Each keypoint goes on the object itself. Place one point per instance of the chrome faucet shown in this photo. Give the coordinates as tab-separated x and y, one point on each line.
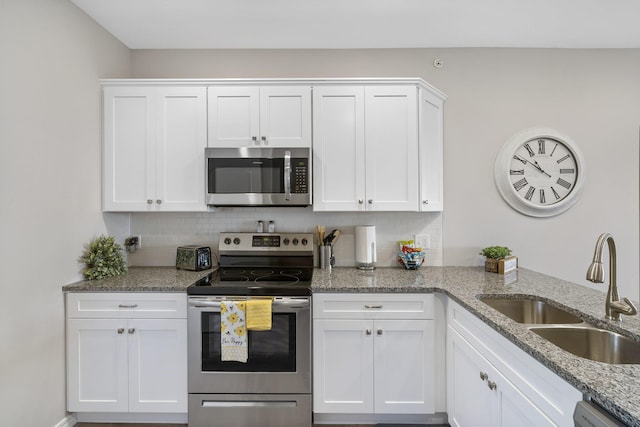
613	306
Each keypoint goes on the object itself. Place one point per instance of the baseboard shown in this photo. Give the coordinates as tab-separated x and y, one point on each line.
132	417
68	421
420	419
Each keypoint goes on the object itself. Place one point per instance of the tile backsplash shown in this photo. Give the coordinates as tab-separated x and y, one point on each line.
162	232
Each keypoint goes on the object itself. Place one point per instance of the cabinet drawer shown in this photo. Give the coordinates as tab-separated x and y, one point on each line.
373	306
83	305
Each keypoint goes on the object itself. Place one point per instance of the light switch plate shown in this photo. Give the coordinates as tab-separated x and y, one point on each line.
422	241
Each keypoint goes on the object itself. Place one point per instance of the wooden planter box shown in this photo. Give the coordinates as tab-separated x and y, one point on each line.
501	266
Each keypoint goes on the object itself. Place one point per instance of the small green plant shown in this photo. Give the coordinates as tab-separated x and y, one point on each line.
496	252
103	258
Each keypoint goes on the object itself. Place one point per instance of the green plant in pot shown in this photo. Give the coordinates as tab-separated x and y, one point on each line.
103	258
499	259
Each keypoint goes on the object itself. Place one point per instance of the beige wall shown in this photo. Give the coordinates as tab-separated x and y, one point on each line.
591	95
52	56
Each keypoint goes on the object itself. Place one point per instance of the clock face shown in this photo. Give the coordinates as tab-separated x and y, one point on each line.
543	171
539	172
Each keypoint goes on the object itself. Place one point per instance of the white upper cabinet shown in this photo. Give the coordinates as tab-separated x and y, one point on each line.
377	148
265	116
154	140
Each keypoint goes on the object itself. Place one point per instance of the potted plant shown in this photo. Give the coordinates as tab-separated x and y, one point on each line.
499	259
103	258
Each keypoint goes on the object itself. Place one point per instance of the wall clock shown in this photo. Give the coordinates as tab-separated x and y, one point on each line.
539	172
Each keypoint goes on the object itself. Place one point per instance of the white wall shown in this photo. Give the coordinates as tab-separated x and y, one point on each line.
593	96
52	56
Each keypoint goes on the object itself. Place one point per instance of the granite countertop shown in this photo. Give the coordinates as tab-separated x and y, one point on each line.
615	387
142	279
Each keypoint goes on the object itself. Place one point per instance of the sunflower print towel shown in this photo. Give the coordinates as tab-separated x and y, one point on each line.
233	331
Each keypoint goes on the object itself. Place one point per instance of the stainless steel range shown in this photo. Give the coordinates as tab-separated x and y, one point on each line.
273	386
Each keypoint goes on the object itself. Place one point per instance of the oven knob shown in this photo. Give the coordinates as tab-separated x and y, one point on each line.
304	242
286	241
227	240
236	241
295	240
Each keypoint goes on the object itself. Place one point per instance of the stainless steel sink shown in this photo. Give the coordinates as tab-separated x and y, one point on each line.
531	311
592	343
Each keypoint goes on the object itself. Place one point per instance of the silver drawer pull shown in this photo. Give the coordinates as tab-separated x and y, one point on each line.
373	306
368	331
483	376
491	385
128	306
120	330
379	331
132	330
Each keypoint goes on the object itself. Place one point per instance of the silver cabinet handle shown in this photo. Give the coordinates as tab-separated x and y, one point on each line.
370	201
360	201
127	305
149	201
158	201
491	385
120	330
287	174
368	331
373	306
483	376
425	202
131	330
379	331
264	140
255	139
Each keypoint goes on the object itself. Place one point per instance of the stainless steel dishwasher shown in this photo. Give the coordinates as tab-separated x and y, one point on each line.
588	414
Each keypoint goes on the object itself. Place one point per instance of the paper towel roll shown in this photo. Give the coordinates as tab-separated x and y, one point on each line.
365	244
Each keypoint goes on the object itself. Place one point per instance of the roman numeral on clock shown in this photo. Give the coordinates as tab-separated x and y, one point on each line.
564	183
531	153
555	193
516	172
530	193
520	159
567	170
542	198
519	185
562	159
541	146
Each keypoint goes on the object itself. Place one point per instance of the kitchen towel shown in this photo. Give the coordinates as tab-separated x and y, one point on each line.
233	331
259	314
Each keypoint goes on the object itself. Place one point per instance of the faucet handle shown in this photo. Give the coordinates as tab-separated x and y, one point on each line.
626	307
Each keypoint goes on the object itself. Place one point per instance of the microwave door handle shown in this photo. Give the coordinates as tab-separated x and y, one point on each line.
287	175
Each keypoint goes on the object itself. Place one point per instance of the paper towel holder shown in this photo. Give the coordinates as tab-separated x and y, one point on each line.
365	245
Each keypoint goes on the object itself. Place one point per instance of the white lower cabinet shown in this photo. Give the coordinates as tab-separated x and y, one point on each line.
126	360
373	354
492	383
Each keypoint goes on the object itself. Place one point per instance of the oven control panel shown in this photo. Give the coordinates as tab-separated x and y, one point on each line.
266	242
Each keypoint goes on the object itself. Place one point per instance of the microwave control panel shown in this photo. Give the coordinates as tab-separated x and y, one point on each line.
299	182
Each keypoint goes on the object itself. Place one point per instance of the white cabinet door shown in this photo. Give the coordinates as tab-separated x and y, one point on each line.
391	138
157	365
285	116
431	152
404	366
338	148
154	140
97	377
129	146
478	395
234	116
181	138
270	116
365	148
343	366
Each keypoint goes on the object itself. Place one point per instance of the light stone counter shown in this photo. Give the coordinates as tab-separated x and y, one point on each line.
616	387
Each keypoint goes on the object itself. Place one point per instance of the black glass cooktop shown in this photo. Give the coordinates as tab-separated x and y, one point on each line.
285	282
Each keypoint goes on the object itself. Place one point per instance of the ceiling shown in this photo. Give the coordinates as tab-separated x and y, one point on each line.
336	24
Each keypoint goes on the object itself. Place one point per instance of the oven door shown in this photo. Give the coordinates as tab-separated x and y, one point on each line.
258	176
279	360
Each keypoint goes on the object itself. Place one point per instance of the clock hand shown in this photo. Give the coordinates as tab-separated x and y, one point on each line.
537	166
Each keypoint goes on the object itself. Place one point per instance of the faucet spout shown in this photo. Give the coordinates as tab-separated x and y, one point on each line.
613	306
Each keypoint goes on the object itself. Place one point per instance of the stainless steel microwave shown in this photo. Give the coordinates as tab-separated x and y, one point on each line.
258	176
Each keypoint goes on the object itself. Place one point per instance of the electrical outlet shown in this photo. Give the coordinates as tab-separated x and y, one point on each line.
422	241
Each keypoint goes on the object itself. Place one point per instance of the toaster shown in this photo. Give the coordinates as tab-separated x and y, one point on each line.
193	257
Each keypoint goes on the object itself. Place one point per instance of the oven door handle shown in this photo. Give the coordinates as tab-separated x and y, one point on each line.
288	303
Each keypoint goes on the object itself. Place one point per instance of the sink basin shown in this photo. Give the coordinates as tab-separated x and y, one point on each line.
592	343
531	311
